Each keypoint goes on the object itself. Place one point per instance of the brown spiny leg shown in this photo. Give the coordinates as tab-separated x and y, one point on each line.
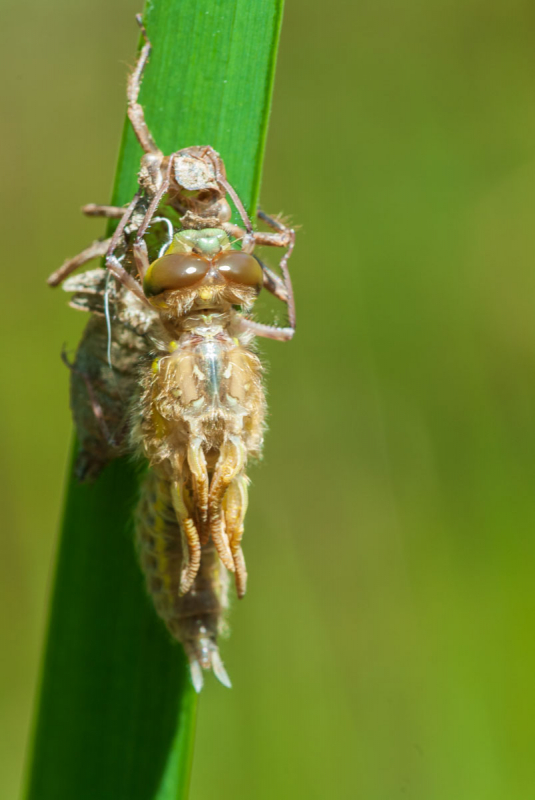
119	230
287	239
97	249
284	237
136	115
156	200
273	331
230	463
274	223
140	257
247	236
192	542
97	210
127	280
281	238
272	282
267	331
234	507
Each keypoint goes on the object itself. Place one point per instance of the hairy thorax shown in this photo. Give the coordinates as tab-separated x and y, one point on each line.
205	383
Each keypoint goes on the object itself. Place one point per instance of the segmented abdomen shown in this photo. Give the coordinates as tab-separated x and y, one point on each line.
195	619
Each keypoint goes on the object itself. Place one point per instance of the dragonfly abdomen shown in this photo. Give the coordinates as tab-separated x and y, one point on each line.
196	618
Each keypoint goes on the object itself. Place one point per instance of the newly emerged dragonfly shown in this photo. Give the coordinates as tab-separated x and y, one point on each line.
167	370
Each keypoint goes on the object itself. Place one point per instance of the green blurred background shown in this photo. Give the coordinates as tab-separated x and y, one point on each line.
385	648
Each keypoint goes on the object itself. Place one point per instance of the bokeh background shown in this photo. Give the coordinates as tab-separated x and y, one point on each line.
386	645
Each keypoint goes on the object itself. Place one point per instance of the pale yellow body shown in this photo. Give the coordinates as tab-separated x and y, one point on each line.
200	418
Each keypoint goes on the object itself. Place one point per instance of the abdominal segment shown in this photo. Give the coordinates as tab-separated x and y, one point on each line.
201	418
197	618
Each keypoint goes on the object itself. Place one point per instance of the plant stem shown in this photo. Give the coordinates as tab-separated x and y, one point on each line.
116	713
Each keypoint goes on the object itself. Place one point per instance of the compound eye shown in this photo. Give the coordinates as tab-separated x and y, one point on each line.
174	271
238	267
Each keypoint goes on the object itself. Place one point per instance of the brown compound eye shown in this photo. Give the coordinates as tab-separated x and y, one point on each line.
238	267
174	271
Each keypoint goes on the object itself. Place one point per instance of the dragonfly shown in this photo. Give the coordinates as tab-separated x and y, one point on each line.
167	370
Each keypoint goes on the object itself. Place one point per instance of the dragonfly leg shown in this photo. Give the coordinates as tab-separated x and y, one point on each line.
156	199
280	288
124	277
272	282
97	210
289	236
97	249
136	115
246	236
272	331
273	222
267	331
118	233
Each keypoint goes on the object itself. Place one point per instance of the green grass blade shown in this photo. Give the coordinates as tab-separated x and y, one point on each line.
116	714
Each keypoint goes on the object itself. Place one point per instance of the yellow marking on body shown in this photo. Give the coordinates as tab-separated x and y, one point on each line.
160	528
172	346
156	365
206	292
160	425
157	302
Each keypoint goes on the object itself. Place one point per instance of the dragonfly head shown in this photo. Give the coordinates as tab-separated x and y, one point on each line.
203	267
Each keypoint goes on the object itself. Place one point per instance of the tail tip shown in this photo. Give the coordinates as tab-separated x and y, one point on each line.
219	669
214	662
